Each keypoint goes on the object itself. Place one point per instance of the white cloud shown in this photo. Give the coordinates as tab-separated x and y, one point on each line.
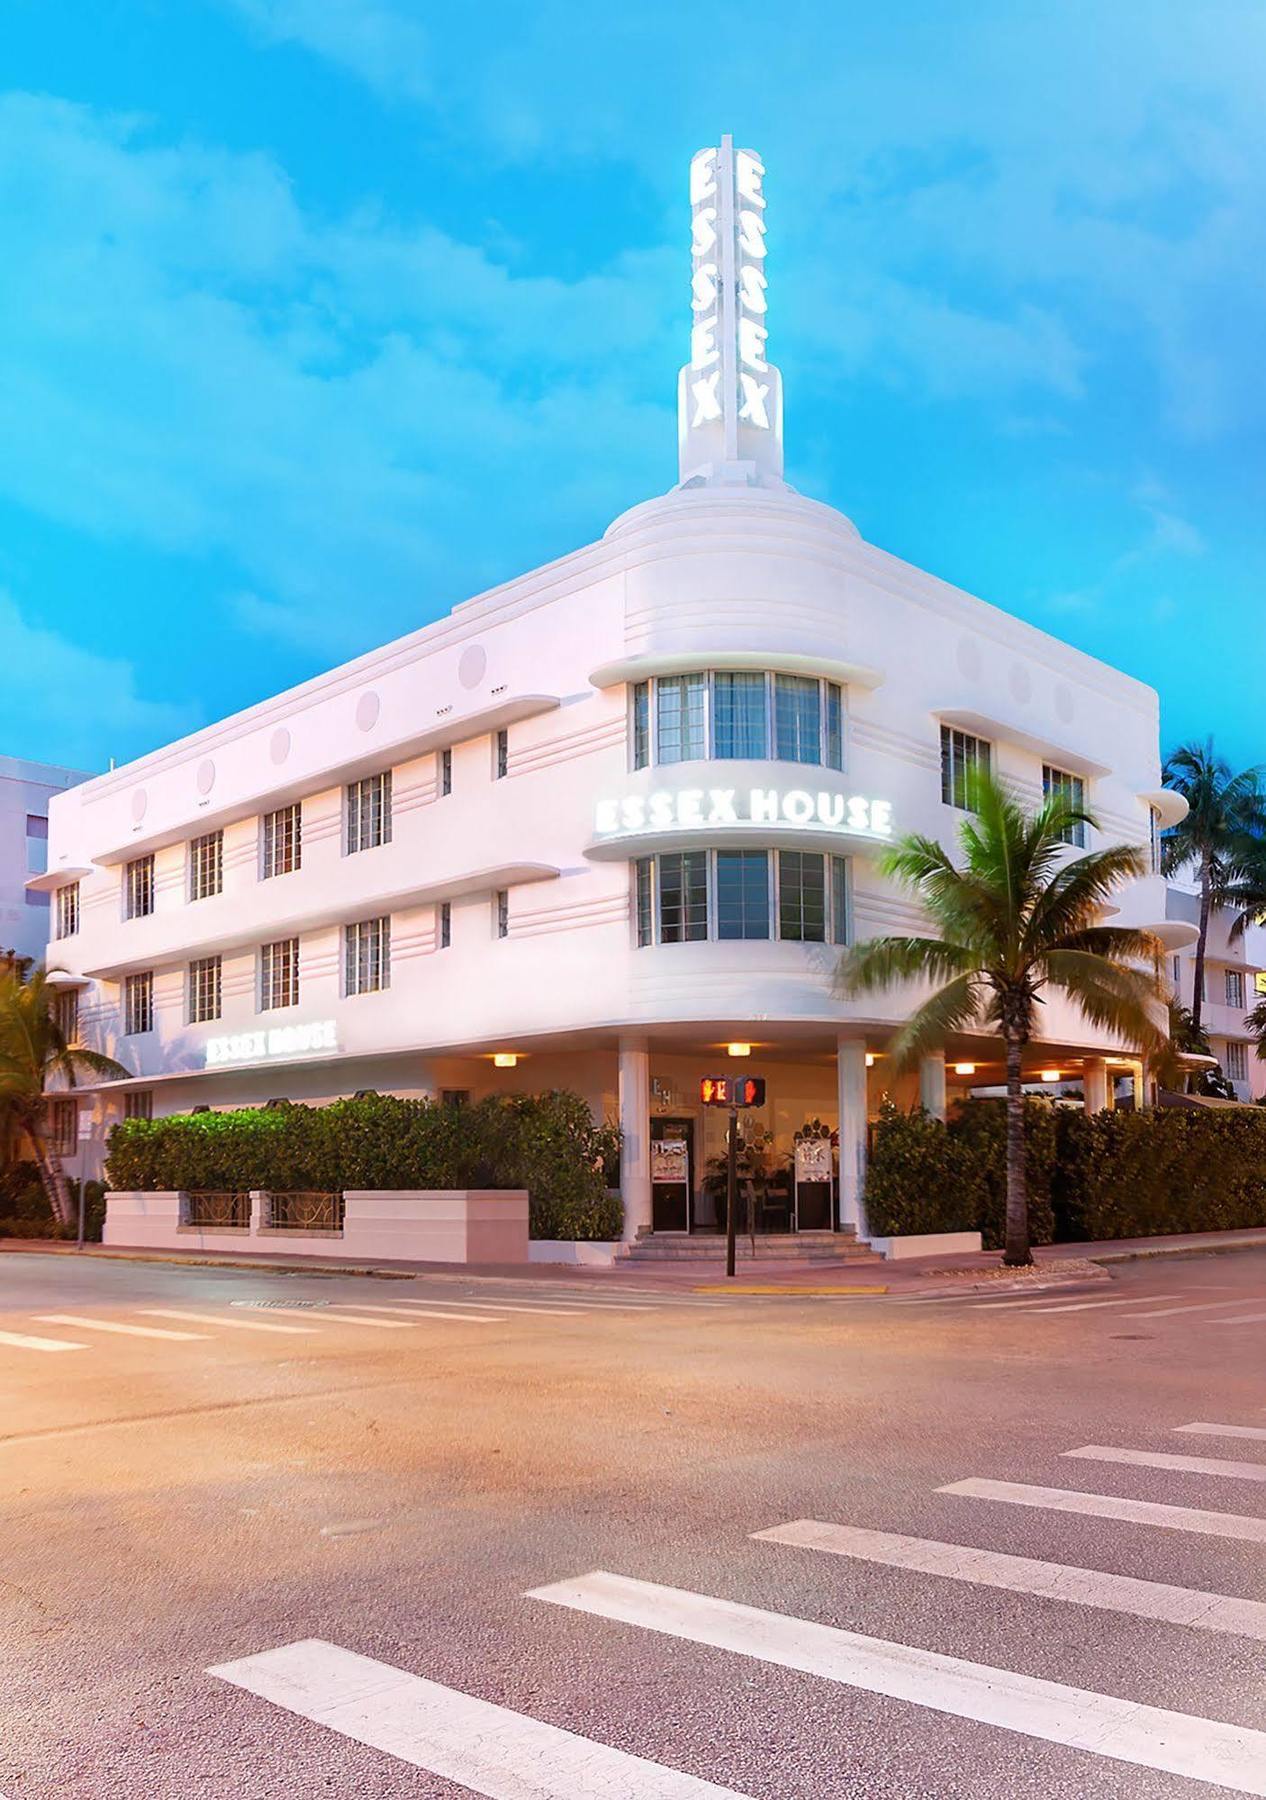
379	43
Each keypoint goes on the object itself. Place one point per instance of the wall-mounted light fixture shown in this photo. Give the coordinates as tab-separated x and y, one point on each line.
1049	1075
870	1059
738	1049
505	1059
964	1068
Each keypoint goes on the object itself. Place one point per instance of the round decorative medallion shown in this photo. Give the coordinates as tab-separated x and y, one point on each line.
1020	683
206	776
970	661
367	710
472	665
140	800
279	745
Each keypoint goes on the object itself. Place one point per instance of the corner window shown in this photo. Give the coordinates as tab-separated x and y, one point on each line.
138	897
1154	838
444	924
367	956
742	878
802	896
66	1014
369	812
502	765
644	900
204	989
446	772
797	719
206	865
960	755
138	1003
680	718
735	715
501	912
279	974
138	1103
741	728
1059	784
728	895
283	842
1235	988
641	724
68	909
63	1127
683	896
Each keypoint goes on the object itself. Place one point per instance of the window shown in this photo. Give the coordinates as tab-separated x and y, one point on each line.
138	1103
446	772
1235	988
1177	973
502	912
644	873
680	718
367	956
641	724
1059	784
279	974
206	865
1153	827
369	812
802	896
138	1003
138	892
840	920
834	725
66	1014
502	765
36	844
68	909
1236	1060
742	893
204	989
797	719
959	754
457	1097
444	924
33	899
283	841
739	714
683	896
63	1127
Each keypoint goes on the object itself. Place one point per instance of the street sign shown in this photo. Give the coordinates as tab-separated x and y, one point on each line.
732	1090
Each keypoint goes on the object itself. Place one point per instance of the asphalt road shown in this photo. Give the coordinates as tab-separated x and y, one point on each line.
467	1547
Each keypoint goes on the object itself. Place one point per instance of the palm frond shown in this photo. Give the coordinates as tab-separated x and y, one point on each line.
952	1008
882	962
1128	1002
1079	891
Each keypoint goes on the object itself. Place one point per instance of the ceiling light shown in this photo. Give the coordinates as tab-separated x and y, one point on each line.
870	1059
505	1059
1049	1075
964	1068
738	1049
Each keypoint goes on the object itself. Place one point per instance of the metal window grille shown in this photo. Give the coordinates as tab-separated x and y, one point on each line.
305	1211
683	896
445	926
138	1103
140	887
644	900
279	974
66	1014
367	956
63	1126
206	865
283	841
1236	1061
960	753
503	754
222	1211
641	725
204	989
802	896
1059	784
740	724
138	1003
742	888
797	719
680	718
446	771
369	812
841	923
1235	987
68	909
503	912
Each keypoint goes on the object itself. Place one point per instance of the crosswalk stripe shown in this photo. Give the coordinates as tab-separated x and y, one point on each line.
1065	1306
487	1749
201	1318
1114	1506
1167	1312
112	1325
425	1308
1163	1459
1241	1319
20	1341
338	1318
1025	1575
1201	1429
1013	1304
1146	1736
417	1318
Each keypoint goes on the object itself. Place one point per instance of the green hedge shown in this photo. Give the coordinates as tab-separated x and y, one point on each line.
1091	1176
546	1143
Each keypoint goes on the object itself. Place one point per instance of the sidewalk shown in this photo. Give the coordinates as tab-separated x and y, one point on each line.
920	1275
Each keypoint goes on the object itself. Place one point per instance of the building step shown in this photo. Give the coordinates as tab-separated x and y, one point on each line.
832	1247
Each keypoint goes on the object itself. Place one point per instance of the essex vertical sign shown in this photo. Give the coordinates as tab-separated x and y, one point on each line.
729	394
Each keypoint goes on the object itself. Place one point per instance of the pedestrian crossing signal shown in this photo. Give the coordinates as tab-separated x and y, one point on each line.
732	1090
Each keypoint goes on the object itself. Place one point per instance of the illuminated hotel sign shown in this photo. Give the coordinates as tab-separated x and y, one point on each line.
277	1041
702	809
729	397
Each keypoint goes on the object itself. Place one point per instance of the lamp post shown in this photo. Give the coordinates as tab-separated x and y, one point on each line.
731	1193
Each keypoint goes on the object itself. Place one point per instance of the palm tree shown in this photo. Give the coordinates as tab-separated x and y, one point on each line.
1220	838
1020	916
33	1049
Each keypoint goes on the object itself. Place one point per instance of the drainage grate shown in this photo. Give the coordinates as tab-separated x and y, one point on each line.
262	1305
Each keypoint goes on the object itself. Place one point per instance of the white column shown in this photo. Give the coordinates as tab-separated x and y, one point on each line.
635	1127
850	1062
932	1095
1140	1086
1094	1083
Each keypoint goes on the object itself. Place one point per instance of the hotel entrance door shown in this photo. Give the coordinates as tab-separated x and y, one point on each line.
672	1173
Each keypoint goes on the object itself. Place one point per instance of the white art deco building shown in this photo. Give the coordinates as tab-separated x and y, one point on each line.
599	824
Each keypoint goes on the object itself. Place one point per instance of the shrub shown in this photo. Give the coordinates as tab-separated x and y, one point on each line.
24	1210
927	1176
545	1142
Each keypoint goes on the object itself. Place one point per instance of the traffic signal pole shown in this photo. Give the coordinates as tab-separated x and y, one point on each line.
731	1193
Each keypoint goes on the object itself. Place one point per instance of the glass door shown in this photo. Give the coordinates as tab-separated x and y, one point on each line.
672	1173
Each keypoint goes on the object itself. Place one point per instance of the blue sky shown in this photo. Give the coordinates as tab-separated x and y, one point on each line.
318	316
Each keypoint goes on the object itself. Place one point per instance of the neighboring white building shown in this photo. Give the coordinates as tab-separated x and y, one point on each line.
1234	982
25	790
600	824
